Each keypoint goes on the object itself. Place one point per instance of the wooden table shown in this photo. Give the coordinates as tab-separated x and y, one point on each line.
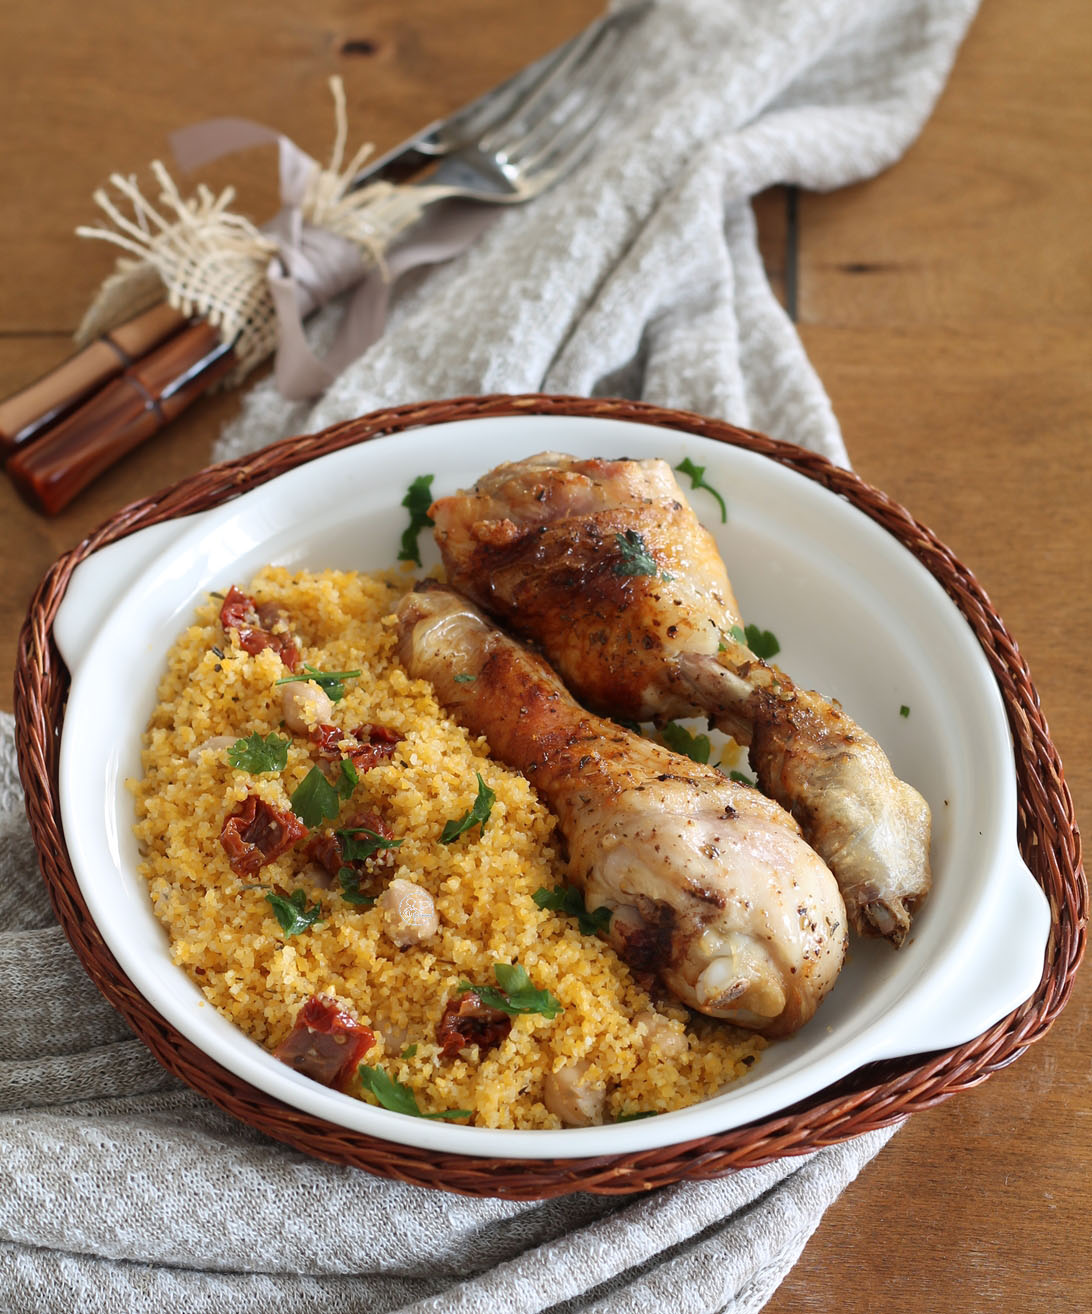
946	307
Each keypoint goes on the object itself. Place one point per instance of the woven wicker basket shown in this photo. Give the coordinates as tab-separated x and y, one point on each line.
870	1098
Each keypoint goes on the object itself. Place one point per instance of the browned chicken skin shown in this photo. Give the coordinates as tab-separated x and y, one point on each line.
537	545
710	884
604	566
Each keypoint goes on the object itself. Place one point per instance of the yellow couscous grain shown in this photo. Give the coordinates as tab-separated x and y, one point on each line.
224	933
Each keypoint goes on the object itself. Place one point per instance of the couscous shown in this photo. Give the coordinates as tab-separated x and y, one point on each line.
361	889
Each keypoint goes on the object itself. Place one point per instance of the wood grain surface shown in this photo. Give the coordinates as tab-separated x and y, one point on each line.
946	306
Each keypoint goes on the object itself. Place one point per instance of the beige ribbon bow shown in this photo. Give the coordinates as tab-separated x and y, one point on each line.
257	286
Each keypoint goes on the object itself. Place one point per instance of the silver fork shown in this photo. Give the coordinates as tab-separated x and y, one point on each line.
536	84
547	131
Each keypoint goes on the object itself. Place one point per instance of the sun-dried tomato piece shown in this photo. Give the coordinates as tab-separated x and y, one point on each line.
365	747
467	1021
322	847
377	743
254	626
326	1043
369	821
257	833
326	849
326	739
269	614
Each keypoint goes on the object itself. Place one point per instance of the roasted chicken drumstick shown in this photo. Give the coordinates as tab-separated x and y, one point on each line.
710	884
604	566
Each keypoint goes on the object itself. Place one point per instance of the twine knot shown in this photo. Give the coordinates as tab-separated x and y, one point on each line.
256	285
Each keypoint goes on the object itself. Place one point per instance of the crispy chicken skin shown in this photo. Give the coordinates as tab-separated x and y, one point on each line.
536	545
871	828
641	628
710	883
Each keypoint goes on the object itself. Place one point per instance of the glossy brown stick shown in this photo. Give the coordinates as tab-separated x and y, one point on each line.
50	472
27	414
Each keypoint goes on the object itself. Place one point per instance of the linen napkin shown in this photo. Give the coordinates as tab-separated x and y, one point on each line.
639	276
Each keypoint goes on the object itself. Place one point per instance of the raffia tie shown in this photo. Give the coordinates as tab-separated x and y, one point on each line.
254	285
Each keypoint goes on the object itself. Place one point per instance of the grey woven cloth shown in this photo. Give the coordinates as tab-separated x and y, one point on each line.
640	277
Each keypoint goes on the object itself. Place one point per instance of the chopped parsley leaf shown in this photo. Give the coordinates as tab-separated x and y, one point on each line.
465	679
360	850
348	778
314	799
393	1095
408	1052
696	747
904	710
635	556
256	755
636	1117
349	879
741	779
478	814
568	899
417	501
697	480
293	912
332	683
763	643
516	993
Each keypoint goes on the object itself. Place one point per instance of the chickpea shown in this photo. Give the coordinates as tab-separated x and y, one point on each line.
216	744
409	913
660	1036
303	705
568	1096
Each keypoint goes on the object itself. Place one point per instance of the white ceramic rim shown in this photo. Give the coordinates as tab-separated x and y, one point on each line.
978	947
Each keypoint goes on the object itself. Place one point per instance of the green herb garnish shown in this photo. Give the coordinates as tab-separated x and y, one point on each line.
762	643
332	683
354	849
636	1117
516	993
256	755
465	679
408	1052
696	747
636	558
393	1095
697	480
904	710
349	879
741	779
568	899
293	912
417	502
360	850
314	799
477	816
348	778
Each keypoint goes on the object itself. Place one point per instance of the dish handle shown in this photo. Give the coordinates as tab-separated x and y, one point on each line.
99	583
1000	968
